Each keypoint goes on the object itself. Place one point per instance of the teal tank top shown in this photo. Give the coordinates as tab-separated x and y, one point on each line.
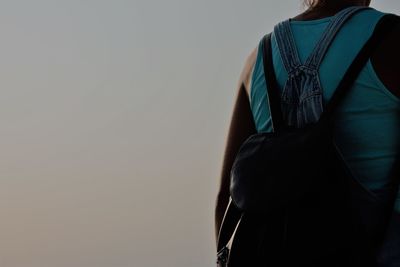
367	122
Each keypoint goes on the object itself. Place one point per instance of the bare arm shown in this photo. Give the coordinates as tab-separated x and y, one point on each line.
386	61
386	64
241	127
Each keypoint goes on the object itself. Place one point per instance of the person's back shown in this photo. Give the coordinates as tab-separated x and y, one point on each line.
367	122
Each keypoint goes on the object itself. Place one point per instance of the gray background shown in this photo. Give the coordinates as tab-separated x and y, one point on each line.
113	121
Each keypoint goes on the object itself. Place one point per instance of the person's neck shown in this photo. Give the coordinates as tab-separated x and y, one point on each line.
327	10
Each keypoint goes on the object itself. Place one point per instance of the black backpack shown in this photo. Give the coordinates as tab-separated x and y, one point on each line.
293	200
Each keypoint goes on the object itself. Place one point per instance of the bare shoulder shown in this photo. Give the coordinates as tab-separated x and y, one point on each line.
245	76
386	61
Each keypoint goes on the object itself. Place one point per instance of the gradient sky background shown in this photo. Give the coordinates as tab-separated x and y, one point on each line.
114	116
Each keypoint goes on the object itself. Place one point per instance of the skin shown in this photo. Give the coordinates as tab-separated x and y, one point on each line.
386	62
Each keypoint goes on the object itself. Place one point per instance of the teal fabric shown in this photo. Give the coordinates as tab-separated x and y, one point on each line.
368	128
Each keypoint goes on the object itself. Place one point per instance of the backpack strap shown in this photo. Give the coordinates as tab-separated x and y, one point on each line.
385	26
287	46
231	219
273	93
301	98
319	51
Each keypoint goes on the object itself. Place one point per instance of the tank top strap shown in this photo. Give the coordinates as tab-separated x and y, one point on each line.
319	51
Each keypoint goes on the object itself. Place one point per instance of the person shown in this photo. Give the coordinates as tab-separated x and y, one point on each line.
367	125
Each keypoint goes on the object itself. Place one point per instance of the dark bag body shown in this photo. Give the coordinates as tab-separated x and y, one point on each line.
296	202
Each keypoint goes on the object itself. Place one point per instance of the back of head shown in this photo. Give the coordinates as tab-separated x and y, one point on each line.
312	3
319	3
